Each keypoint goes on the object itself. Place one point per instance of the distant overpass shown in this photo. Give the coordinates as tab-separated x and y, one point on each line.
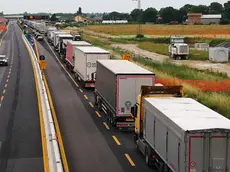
13	16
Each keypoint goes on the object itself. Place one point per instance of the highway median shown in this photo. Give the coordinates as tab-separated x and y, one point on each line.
53	158
59	137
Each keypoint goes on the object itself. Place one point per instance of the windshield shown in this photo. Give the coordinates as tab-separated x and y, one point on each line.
1	58
67	38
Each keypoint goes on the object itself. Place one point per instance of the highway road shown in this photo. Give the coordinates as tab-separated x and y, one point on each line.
20	140
91	144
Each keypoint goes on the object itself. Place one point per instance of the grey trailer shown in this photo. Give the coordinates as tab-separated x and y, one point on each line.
182	135
118	84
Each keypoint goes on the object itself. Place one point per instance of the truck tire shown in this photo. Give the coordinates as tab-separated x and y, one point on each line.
113	121
178	57
148	156
147	160
99	105
164	168
95	99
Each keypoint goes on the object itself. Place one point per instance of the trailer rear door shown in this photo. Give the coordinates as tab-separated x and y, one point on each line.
209	153
218	154
195	153
91	64
128	88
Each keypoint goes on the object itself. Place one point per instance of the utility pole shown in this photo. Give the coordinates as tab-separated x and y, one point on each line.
139	28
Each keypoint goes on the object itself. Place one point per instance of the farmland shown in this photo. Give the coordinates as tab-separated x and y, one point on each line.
218	101
163	30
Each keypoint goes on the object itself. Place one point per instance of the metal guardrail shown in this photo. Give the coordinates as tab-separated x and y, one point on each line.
53	153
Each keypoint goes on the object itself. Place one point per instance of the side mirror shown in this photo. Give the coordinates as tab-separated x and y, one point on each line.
42	57
134	110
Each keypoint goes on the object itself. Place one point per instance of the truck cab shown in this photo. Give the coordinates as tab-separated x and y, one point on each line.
138	112
177	48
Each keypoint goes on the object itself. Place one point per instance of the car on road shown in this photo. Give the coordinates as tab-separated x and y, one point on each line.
39	38
3	60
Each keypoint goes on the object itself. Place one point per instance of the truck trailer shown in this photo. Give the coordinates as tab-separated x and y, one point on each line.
118	83
85	58
177	134
70	49
50	35
53	36
60	39
50	29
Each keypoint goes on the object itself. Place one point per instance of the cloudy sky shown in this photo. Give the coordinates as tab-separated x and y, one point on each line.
13	6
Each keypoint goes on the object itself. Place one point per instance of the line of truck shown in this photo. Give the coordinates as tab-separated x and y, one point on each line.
174	133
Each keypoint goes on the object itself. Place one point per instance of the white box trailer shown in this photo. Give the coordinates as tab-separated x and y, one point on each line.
69	44
59	40
118	83
49	28
53	36
56	38
186	135
85	58
50	36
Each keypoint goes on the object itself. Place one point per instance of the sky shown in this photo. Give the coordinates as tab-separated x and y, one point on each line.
71	6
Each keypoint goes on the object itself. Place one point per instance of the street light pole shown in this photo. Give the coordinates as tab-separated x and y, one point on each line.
139	28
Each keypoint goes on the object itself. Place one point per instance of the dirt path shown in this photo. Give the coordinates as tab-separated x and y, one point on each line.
202	65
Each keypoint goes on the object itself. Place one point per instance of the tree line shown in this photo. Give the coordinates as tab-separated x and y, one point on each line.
170	14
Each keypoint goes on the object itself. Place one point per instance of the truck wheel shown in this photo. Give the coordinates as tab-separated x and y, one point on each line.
99	105
147	159
95	100
164	168
113	121
178	57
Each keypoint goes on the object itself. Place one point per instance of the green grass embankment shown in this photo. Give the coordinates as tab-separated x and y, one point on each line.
214	100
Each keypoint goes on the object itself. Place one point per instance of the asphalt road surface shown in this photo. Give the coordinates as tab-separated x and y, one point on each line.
20	140
91	144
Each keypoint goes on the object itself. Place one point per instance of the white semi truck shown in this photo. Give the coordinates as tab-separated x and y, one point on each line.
70	49
177	134
59	40
85	58
177	49
118	83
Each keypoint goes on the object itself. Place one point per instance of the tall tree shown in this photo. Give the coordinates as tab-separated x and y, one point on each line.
114	15
200	9
79	12
136	14
187	8
227	10
53	17
215	8
149	15
169	14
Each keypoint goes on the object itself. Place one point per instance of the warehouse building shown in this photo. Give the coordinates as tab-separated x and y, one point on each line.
207	19
194	18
